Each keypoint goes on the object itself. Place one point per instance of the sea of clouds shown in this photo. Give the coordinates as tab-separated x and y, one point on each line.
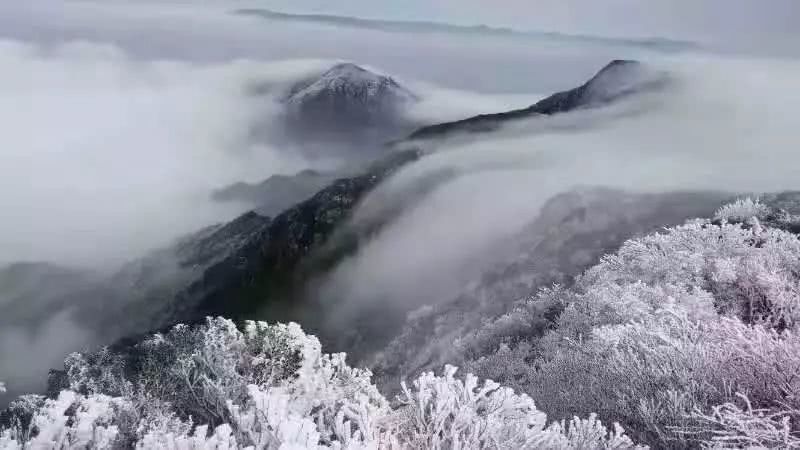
119	119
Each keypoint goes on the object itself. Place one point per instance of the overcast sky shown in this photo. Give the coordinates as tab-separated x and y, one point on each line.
754	26
718	20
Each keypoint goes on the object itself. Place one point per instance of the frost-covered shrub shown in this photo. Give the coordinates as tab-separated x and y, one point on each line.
751	272
609	303
271	387
445	412
759	362
731	426
17	417
212	375
199	439
653	376
451	413
646	336
687	338
647	379
663	331
527	319
742	210
71	421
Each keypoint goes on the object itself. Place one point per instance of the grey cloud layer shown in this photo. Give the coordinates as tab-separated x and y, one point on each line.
752	25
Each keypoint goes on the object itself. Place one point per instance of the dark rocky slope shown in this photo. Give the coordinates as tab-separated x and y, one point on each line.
617	80
239	269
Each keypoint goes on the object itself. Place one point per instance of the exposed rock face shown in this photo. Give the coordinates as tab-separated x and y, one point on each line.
617	80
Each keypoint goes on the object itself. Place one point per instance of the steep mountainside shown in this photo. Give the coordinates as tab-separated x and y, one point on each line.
169	283
247	265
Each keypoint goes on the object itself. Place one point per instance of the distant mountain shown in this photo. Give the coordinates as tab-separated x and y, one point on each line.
255	266
247	265
234	269
254	263
270	278
277	193
660	44
618	79
347	102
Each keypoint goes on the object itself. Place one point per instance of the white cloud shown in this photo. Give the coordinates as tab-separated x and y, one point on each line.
102	157
725	125
111	146
207	32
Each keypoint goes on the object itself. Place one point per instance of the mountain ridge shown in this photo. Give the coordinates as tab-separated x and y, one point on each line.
618	79
345	110
347	97
655	43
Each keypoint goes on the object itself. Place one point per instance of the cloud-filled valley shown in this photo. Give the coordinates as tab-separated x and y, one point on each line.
409	188
96	140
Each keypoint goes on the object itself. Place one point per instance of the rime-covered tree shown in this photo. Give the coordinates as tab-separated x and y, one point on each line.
271	387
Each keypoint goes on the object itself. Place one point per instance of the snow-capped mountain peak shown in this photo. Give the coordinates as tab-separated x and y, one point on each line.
352	83
348	101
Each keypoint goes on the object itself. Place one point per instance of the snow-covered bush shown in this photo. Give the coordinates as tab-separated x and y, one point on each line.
751	272
732	426
660	334
451	413
681	321
71	421
17	417
445	412
654	375
742	210
215	375
271	387
526	320
687	338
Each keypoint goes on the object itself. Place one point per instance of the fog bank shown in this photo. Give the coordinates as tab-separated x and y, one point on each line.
721	125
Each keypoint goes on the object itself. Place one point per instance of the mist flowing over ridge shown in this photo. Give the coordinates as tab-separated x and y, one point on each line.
181	183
